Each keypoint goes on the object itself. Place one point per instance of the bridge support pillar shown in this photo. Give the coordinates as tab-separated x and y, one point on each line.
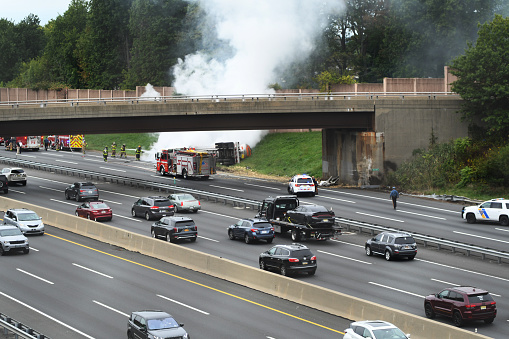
355	157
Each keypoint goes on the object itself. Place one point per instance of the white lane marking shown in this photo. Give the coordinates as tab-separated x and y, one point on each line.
28	156
35	276
111	308
221	215
20	192
112	169
112	202
91	270
34	249
68	162
227	188
422	215
399	202
57	155
208	239
346	243
377	216
93	160
396	289
347	258
51	189
165	177
445	282
47	316
58	182
64	202
128	218
337	199
481	237
462	269
267	187
122	194
182	304
501	229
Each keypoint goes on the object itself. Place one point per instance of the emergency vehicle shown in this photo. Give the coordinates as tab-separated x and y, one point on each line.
66	142
495	210
32	143
186	162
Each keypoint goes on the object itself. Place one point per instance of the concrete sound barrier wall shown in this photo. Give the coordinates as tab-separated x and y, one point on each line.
317	297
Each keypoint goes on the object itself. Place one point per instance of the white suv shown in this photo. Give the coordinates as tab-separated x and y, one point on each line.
496	210
376	329
302	183
15	175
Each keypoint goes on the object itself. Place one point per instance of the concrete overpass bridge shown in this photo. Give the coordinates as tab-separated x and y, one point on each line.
364	135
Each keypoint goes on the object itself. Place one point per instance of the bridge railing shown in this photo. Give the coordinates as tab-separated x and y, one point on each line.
228	98
19	330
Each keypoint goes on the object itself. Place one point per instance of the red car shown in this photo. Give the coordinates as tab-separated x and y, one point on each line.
94	210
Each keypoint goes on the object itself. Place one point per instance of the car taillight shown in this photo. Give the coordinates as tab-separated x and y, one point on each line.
469	307
81	191
171	206
313	257
182	203
254	230
272	228
293	260
297	185
154	208
175	229
199	203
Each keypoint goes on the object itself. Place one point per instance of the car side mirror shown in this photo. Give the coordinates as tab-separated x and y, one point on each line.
181	325
14	218
143	328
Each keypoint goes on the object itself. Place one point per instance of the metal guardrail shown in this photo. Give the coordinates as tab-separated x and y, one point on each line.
18	329
347	224
428	240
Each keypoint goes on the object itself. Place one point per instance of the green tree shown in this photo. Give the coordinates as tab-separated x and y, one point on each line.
483	77
9	54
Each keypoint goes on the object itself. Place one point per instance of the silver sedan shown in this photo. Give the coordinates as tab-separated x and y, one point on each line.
184	202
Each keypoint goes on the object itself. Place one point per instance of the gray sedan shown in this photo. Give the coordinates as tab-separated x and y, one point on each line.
184	202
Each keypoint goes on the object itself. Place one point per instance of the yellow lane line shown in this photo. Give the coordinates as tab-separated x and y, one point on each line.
199	284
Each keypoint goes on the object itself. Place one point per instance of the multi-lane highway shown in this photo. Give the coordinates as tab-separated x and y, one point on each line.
343	266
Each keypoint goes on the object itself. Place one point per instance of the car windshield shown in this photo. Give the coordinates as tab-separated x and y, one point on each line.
304	181
160	203
161	324
99	205
185	197
479	298
10	232
404	240
27	217
262	224
393	333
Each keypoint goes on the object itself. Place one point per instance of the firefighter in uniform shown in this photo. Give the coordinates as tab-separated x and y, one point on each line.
138	153
122	151
114	150
105	154
84	146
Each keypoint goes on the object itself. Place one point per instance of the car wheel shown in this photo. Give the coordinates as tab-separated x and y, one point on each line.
283	270
289	191
77	197
428	310
130	335
147	216
67	196
411	257
312	272
471	218
193	239
230	235
153	234
2	252
184	173
26	250
262	265
388	256
76	214
161	170
167	237
295	235
89	218
457	320
489	320
133	212
269	241
368	251
24	183
6	190
504	220
246	239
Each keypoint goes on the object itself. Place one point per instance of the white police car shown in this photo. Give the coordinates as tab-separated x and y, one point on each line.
496	210
301	183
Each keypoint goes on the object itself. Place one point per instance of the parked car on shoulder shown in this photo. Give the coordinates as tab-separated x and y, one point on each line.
153	207
494	210
184	202
11	239
4	184
375	329
175	228
311	215
288	259
26	220
152	324
15	175
252	230
82	191
462	304
94	210
301	183
392	245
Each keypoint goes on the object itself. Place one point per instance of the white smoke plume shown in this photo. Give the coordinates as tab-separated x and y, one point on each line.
263	35
150	93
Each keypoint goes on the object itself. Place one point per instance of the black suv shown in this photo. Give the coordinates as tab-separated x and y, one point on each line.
152	208
175	228
154	324
4	184
391	245
251	230
288	259
82	191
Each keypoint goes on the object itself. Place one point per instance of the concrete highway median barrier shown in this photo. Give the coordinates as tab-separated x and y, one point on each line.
317	297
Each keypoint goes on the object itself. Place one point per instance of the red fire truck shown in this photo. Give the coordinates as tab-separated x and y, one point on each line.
186	162
66	142
32	143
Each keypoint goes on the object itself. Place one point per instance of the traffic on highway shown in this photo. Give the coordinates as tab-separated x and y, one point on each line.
91	288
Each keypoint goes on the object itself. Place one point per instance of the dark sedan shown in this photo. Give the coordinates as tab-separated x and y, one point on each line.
251	230
175	228
94	210
311	215
82	191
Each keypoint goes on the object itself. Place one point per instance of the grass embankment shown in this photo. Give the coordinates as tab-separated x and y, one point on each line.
131	141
